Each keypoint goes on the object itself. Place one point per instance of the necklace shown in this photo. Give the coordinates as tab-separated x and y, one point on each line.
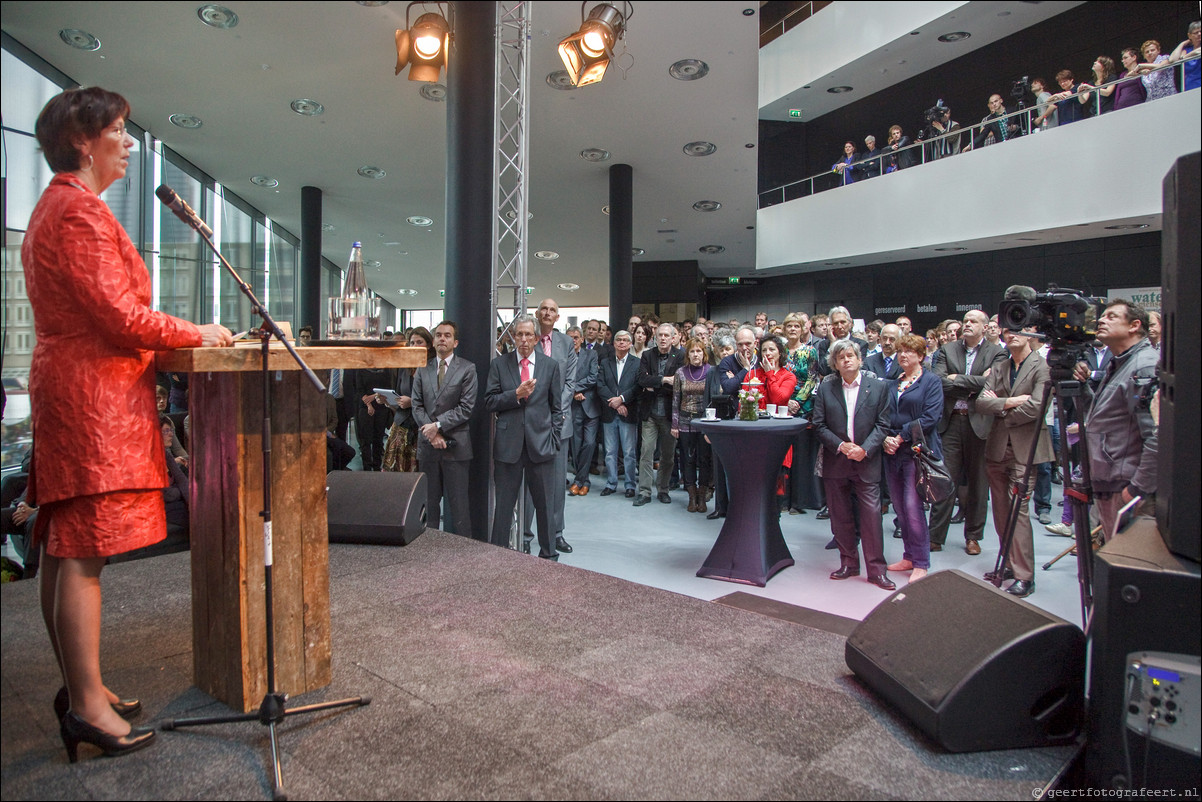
688	373
907	382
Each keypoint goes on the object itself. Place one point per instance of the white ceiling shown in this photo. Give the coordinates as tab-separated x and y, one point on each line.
240	82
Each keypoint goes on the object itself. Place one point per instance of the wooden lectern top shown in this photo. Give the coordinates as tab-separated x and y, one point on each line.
246	358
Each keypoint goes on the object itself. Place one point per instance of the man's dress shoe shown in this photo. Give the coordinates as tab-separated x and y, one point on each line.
845	572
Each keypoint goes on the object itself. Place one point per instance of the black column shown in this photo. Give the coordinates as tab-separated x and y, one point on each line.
309	282
470	98
621	221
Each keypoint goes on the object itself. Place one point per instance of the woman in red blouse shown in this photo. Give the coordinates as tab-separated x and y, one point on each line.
98	470
777	382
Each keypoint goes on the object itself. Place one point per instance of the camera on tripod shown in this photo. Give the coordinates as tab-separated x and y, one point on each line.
1065	317
934	113
1020	88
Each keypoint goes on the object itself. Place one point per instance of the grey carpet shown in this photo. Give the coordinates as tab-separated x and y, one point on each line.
494	675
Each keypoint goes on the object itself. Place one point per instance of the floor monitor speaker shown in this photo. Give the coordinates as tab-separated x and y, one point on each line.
971	666
382	508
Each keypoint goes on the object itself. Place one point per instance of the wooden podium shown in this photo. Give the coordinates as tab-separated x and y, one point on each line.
228	616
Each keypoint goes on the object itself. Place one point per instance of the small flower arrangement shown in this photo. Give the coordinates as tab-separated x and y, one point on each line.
749	401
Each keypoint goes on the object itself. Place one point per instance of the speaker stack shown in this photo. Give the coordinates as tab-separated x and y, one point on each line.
971	666
382	508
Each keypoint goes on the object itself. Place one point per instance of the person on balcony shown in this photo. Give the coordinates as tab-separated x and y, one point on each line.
1130	92
848	167
996	126
1159	83
1103	73
1192	70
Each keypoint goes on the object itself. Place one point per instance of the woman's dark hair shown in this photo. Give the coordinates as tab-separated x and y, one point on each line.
780	348
72	116
424	333
648	331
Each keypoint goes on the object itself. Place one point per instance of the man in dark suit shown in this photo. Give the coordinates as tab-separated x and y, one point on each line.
883	363
965	365
1013	396
525	390
619	394
840	320
657	373
586	412
557	346
444	395
851	418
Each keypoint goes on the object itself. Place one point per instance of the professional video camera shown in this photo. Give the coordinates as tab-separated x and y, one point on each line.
1067	318
934	113
1020	88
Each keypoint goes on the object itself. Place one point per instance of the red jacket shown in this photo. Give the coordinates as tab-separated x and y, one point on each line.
91	382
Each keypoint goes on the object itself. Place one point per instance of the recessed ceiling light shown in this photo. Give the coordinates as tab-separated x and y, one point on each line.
594	155
637	251
368	171
418	220
546	256
749	145
436	93
560	80
1028	239
951	249
80	40
1124	226
689	69
711	250
264	181
327	226
372	263
749	12
307	108
700	148
216	16
915	33
513	215
568	286
186	121
955	36
707	206
839	90
407	292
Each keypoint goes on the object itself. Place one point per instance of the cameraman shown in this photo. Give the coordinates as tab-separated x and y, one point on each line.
939	122
995	124
1119	429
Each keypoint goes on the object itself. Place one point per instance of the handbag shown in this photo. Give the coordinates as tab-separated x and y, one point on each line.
935	484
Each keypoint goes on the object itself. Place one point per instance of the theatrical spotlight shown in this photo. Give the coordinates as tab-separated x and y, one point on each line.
424	46
588	52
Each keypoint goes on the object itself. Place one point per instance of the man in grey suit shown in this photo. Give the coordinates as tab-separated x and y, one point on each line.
525	390
965	365
851	419
1013	396
558	346
444	395
586	411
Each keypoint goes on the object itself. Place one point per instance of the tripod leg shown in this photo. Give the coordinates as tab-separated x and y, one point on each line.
277	789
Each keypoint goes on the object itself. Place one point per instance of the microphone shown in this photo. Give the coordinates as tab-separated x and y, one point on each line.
182	210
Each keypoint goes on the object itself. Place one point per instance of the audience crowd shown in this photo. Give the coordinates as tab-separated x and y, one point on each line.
1031	105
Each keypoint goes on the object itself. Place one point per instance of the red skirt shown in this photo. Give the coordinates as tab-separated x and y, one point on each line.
101	525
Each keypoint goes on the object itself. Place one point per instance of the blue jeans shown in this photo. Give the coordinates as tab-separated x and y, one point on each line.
1043	487
902	474
623	435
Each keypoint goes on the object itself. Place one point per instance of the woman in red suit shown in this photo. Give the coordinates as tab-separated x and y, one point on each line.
98	471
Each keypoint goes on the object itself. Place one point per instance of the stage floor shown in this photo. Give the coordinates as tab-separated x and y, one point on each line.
495	675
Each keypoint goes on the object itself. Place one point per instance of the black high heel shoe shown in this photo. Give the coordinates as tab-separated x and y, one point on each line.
126	708
75	730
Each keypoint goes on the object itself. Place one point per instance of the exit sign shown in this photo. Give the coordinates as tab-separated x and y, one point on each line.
794	112
732	280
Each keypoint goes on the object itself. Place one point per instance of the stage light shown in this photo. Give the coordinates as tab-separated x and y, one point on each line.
588	52
423	47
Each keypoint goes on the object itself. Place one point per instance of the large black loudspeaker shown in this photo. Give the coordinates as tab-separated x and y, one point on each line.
971	666
1145	600
378	508
1180	440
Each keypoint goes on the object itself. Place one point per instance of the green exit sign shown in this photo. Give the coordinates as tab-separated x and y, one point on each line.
732	280
794	112
442	293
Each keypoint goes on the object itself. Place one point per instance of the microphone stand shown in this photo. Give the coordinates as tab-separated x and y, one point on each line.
273	709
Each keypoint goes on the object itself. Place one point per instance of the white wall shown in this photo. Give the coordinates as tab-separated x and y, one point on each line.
1103	169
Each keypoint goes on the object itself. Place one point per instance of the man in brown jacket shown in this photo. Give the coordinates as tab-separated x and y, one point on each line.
1014	394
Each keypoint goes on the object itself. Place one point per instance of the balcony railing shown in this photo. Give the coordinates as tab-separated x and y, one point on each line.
926	150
